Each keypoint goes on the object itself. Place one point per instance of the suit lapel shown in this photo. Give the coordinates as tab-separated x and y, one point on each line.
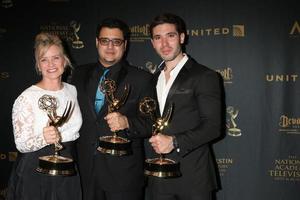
180	79
155	79
91	87
118	76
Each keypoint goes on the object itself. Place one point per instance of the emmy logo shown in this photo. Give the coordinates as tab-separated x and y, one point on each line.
150	67
3	193
114	145
7	3
55	165
77	43
231	124
159	167
12	156
4	75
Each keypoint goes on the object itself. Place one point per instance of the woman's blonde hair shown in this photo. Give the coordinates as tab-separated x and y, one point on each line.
43	41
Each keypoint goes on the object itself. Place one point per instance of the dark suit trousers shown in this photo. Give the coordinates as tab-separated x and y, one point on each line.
99	193
127	195
202	196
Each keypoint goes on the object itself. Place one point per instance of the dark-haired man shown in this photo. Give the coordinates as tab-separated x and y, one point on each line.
196	93
104	176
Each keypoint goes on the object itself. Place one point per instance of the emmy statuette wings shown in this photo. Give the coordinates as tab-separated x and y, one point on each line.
55	165
159	167
113	144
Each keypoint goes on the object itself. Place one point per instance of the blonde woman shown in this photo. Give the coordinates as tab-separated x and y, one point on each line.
32	133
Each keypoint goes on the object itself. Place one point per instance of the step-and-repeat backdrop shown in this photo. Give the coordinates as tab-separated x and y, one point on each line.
254	45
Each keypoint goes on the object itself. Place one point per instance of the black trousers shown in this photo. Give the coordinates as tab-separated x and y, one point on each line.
153	195
97	192
100	194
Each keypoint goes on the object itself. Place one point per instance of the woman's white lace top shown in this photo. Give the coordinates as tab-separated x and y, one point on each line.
29	120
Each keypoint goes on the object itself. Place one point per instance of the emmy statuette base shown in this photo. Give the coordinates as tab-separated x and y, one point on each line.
55	165
114	145
162	168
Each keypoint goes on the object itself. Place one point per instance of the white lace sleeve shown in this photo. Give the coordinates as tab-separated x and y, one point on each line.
23	119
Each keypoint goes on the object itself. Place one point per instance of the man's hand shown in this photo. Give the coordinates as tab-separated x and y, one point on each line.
162	144
116	121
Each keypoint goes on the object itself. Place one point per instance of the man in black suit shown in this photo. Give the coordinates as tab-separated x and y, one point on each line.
196	93
104	176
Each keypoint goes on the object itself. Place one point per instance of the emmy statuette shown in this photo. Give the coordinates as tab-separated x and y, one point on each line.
55	165
233	130
76	43
159	167
114	144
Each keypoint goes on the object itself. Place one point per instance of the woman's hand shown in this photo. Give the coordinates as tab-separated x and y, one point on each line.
51	134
